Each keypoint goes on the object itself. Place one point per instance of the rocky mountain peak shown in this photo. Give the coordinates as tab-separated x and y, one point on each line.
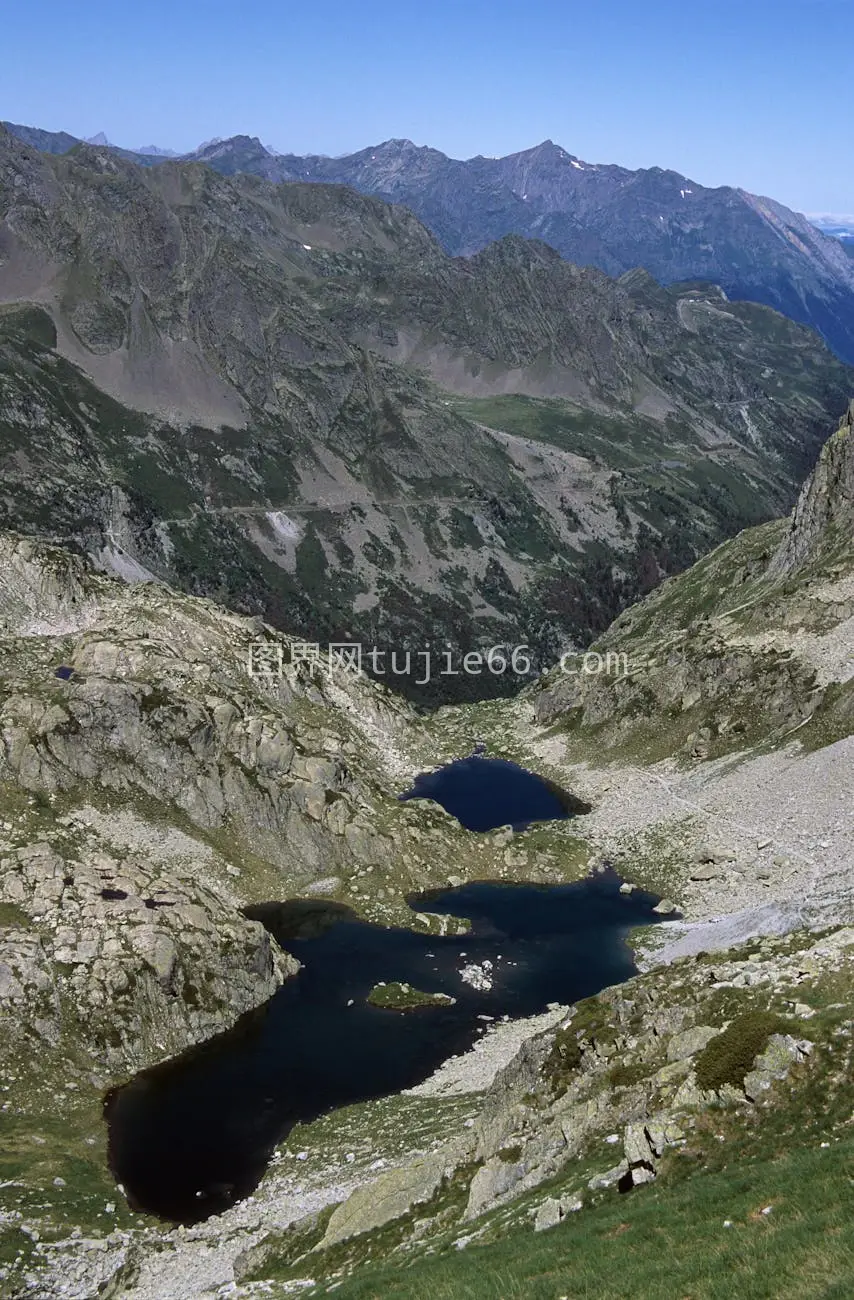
546	155
548	147
235	143
514	250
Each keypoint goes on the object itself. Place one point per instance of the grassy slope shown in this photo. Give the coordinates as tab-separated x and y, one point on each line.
726	629
669	1240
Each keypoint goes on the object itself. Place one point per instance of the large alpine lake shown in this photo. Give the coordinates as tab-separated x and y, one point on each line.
192	1136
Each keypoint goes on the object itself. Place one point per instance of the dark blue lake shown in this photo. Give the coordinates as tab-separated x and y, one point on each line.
483	793
189	1138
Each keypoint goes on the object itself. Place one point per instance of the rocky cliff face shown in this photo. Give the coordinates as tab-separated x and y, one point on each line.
146	791
823	519
752	643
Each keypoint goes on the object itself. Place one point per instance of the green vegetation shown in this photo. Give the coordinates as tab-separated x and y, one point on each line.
14	917
729	1057
624	1075
657	858
312	564
563	1061
729	576
403	997
621	440
53	1151
704	1228
664	1242
592	1025
463	531
833	719
292	1254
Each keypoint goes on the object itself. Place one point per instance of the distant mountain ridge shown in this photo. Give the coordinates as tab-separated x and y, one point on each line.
593	214
829	223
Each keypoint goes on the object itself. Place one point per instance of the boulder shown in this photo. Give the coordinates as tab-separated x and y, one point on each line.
708	872
388	1197
552	1211
783	1051
610	1178
492	1181
689	1042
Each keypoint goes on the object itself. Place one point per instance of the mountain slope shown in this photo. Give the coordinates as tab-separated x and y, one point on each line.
604	216
710	1097
594	214
154	787
291	398
750	646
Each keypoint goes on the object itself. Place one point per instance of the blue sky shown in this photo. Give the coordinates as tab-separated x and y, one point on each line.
745	92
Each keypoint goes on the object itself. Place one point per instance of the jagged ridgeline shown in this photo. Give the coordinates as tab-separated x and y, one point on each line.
593	214
289	398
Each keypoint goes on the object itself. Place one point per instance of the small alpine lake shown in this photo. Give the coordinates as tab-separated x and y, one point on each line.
483	793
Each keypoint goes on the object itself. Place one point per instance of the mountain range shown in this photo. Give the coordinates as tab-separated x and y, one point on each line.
593	214
290	397
385	440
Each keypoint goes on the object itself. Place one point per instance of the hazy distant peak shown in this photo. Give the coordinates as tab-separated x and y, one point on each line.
234	149
101	139
406	147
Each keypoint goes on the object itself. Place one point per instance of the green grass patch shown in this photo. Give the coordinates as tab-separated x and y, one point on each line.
729	1057
664	1243
13	917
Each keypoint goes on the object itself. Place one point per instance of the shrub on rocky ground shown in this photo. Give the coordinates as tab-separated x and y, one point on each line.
729	1057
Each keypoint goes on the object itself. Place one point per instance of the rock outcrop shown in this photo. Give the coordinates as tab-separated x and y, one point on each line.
748	646
823	519
151	783
127	959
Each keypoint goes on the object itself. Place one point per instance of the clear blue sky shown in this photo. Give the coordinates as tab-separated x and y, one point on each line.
754	93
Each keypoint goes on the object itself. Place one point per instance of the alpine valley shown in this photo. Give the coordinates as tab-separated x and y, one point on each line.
239	411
